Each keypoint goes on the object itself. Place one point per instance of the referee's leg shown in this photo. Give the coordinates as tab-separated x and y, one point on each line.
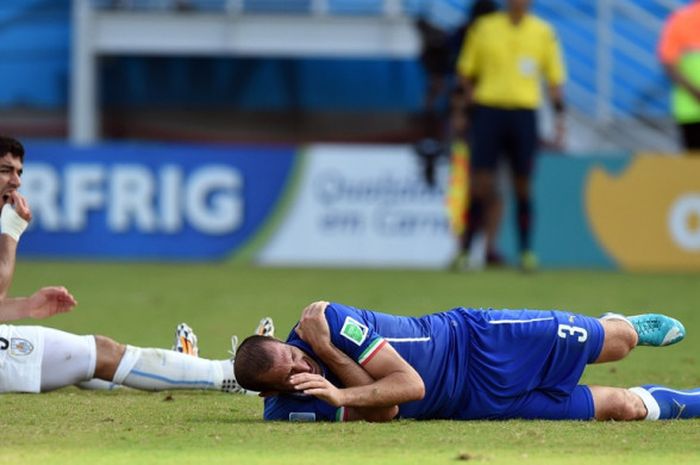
486	138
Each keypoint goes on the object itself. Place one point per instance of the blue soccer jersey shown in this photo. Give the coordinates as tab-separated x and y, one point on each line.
474	363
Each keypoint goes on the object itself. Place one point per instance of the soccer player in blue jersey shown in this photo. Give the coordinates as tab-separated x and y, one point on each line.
343	363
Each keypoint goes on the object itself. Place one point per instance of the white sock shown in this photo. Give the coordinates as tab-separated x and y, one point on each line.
96	384
618	317
653	409
160	369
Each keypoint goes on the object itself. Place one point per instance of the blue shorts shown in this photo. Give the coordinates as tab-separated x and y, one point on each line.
528	363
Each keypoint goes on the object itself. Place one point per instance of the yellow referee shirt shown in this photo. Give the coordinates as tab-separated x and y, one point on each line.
508	61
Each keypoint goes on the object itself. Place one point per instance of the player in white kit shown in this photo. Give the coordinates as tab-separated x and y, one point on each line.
39	359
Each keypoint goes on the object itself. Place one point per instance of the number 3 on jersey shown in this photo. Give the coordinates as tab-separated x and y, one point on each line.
565	331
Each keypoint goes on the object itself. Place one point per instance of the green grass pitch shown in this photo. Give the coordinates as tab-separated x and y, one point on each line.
141	304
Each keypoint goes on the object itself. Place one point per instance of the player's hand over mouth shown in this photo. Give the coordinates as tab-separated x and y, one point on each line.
21	206
318	386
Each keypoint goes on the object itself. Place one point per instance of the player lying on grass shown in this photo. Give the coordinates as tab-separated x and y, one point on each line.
342	363
40	359
34	358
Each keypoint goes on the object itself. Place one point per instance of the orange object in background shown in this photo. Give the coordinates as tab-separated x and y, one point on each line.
458	190
648	217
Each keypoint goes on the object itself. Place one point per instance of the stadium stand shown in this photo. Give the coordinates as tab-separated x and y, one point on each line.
614	75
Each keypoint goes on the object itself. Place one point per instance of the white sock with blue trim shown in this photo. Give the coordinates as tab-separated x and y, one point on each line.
652	406
159	369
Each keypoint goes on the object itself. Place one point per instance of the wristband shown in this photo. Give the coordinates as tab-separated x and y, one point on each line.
11	223
559	107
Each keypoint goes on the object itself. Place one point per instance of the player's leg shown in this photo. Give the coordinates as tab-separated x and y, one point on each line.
159	369
649	402
524	131
185	343
485	145
620	339
663	403
608	403
622	334
71	359
559	346
67	359
484	195
613	403
492	226
543	405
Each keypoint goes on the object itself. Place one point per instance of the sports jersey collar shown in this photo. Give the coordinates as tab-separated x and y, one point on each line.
527	17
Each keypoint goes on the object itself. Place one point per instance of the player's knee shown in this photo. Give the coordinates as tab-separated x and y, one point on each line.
620	339
625	335
109	354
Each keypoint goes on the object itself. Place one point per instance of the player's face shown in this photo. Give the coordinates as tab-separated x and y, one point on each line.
289	360
519	5
10	172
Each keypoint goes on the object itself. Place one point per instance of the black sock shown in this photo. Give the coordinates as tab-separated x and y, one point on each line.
475	217
524	212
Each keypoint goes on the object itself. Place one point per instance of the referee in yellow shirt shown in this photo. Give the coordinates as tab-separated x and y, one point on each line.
503	61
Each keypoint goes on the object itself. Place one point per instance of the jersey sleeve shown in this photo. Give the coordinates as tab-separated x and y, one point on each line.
352	334
554	69
300	408
467	62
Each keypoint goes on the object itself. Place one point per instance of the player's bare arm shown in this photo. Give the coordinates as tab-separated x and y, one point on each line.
462	101
396	383
556	96
44	303
8	249
313	329
14	217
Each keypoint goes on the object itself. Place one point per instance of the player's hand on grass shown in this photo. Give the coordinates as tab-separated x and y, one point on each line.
313	327
49	301
21	205
319	387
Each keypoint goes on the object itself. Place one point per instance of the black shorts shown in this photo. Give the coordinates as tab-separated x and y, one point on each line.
497	132
691	136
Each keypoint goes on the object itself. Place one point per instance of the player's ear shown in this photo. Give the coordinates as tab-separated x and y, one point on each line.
268	393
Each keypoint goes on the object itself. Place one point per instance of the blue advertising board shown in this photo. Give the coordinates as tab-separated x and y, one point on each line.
150	201
343	205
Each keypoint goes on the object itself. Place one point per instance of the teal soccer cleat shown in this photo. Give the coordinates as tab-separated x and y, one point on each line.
657	330
653	329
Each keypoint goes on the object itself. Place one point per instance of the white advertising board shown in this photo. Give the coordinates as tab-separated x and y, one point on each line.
362	205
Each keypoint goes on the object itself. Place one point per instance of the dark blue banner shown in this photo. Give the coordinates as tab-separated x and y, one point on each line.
148	201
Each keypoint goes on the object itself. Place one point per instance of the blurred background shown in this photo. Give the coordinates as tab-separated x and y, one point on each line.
302	133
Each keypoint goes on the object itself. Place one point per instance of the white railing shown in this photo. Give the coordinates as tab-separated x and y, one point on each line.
619	62
313	7
613	75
